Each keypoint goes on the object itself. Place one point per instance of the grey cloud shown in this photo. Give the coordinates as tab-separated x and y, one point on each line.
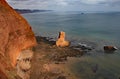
65	4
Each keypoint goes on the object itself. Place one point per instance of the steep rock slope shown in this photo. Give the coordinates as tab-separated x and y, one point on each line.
15	36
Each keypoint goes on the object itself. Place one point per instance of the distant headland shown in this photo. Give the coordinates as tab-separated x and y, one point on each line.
30	11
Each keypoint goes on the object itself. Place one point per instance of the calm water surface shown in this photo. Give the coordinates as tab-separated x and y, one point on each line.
94	29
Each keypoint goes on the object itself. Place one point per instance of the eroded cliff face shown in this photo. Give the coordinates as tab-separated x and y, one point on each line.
15	35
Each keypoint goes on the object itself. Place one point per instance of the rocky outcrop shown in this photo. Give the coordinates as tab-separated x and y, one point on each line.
110	49
15	36
61	42
24	64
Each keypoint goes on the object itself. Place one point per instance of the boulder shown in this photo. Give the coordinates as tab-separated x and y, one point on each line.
61	42
85	46
110	48
15	35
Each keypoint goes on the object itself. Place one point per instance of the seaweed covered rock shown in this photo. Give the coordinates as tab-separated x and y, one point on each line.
15	35
61	42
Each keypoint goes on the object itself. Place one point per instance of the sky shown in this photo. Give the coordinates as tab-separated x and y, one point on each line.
67	5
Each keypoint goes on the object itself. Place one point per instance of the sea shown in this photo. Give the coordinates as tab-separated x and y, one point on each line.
95	29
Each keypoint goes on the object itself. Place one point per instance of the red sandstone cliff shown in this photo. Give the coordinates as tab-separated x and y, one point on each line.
15	36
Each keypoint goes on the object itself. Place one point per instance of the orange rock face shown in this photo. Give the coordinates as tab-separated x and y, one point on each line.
15	34
61	42
2	75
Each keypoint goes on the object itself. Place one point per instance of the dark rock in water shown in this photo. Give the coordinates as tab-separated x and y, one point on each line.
83	47
110	48
45	39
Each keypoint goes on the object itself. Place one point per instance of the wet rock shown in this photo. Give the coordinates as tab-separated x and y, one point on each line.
110	48
64	54
61	42
48	40
83	47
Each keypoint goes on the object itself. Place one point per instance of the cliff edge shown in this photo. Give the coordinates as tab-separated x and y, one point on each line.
15	36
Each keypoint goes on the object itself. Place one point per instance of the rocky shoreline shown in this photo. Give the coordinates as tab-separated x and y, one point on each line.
75	50
49	61
61	53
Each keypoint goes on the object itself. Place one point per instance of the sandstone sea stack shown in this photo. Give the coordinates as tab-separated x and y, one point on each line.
15	35
61	42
